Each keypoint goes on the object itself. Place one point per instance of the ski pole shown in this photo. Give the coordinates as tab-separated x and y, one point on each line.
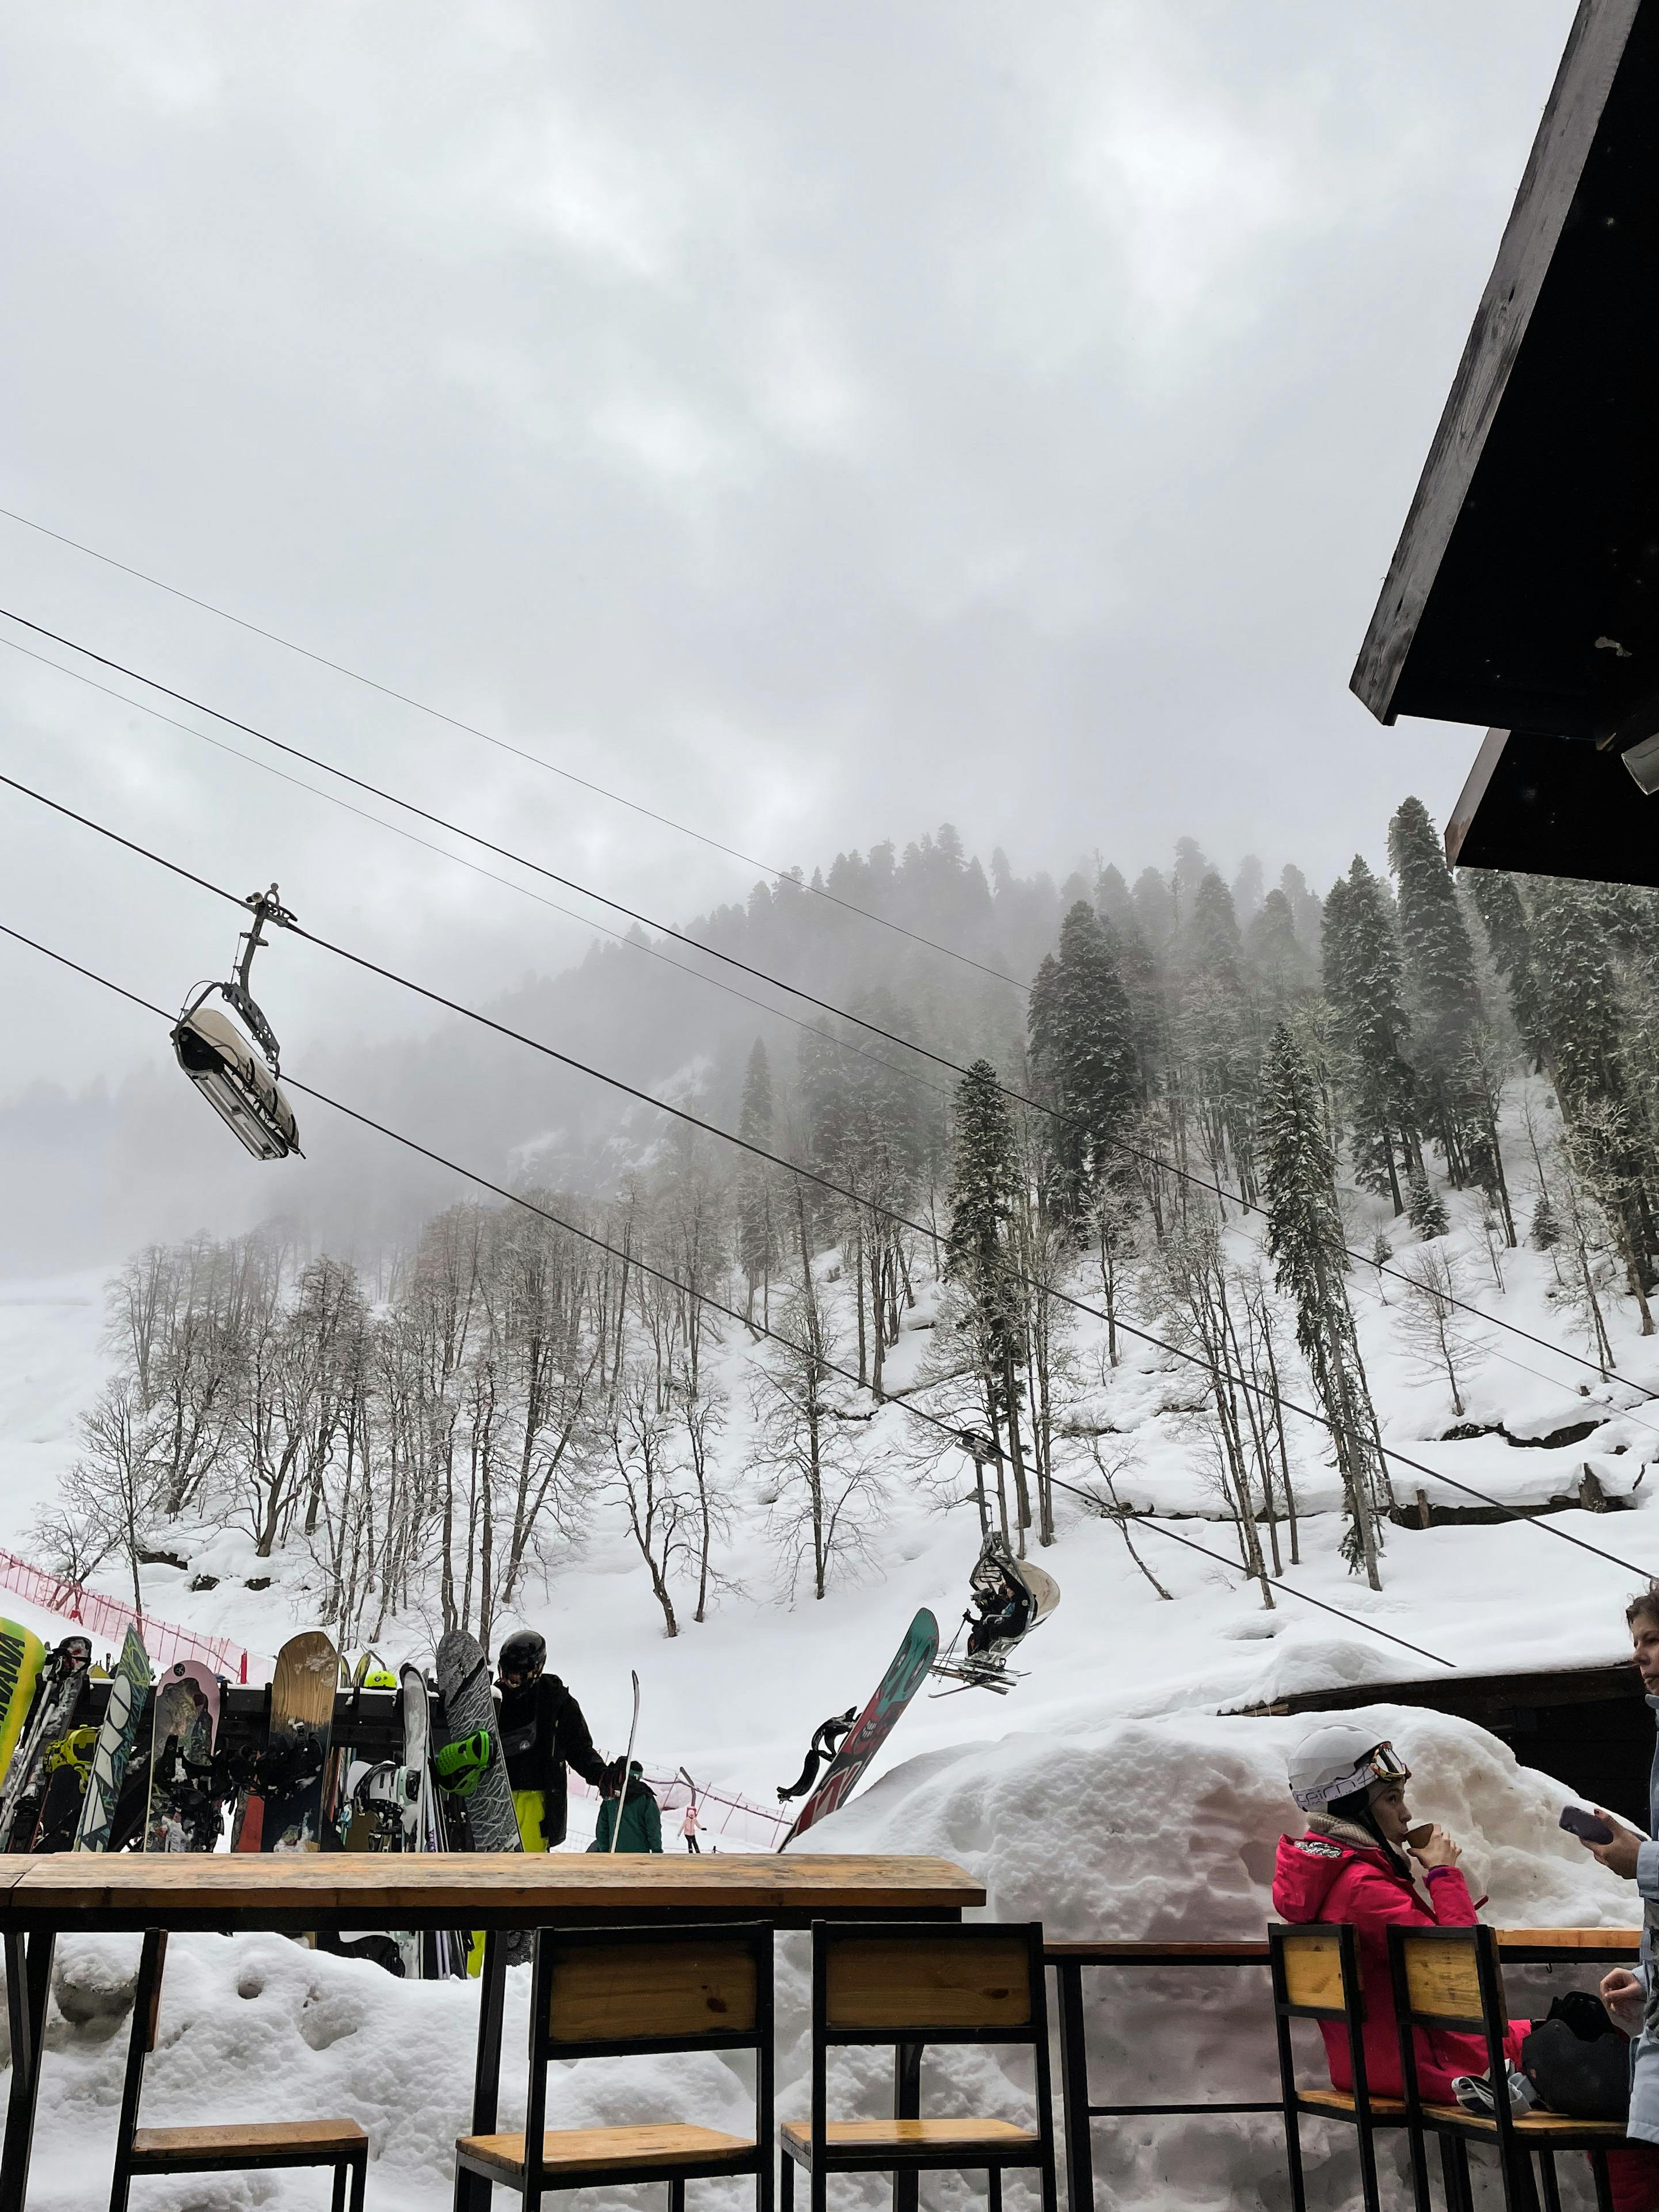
628	1762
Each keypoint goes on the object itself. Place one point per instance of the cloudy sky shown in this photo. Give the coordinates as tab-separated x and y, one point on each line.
813	422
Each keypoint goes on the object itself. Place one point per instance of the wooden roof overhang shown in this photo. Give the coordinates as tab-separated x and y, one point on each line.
1524	592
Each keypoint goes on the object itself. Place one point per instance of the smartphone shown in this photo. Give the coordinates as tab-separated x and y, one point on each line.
1585	1826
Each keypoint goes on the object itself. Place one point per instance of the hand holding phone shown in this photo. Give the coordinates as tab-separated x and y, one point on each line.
1585	1826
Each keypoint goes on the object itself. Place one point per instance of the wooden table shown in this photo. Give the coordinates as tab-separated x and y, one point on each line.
1517	1947
228	1892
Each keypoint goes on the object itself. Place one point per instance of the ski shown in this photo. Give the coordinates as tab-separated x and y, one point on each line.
627	1766
57	1689
123	1716
873	1725
183	1814
289	1780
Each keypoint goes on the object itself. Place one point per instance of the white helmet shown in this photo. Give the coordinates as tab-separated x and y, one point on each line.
1337	1761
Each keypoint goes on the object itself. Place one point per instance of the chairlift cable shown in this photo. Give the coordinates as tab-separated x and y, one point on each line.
519	753
1122	1145
635	943
658	1274
1216	1371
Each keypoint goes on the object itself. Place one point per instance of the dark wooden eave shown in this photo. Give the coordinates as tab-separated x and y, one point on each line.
1553	807
1524	592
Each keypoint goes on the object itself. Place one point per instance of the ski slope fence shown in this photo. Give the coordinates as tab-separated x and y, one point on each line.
103	1615
743	1824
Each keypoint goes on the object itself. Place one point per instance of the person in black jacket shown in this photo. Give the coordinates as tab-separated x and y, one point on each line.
543	1732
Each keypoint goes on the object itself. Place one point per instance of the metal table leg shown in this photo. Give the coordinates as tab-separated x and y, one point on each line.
907	2105
1075	2086
28	1980
473	2192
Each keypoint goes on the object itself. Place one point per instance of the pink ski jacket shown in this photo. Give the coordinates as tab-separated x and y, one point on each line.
1317	1878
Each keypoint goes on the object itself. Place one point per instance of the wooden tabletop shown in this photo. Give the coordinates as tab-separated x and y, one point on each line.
470	1889
1568	1942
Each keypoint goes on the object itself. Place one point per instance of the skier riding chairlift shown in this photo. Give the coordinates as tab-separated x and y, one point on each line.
1011	1597
240	1087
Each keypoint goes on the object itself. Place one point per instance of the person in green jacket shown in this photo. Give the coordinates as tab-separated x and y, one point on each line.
642	1821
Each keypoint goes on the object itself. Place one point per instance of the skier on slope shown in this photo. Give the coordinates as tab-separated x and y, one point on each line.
826	1742
640	1814
543	1732
1354	1864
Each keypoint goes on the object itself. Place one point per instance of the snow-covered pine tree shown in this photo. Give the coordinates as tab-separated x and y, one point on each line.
1503	917
1282	970
984	1171
1084	1063
1217	1033
756	1195
1424	1208
1305	1241
1445	993
1365	986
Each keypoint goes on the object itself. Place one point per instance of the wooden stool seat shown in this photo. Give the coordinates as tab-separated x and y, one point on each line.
1556	2129
271	2142
939	2137
620	2151
1384	2110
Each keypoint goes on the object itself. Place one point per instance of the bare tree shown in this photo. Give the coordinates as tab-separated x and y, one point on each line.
1432	1322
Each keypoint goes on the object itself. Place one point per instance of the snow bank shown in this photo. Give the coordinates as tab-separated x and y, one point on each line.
1161	1827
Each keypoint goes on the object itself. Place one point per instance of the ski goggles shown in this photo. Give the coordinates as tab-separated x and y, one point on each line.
1381	1764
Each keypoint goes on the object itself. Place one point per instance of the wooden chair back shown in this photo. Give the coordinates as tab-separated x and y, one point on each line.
1442	1979
605	1992
910	1984
1316	1973
929	1983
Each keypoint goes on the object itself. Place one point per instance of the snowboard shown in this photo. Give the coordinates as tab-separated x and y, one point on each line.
67	1765
58	1691
469	1711
289	1783
123	1716
183	1814
21	1655
873	1725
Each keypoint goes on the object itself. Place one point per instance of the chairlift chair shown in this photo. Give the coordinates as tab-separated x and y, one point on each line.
240	1084
995	1569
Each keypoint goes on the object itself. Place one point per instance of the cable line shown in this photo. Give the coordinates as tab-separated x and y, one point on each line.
1216	1371
635	943
701	1298
519	753
1137	1152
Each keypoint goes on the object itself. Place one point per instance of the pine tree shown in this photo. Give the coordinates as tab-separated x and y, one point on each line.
757	1231
1305	1241
1424	1208
1083	1058
1216	1032
1508	925
1366	988
1282	970
1440	970
984	1172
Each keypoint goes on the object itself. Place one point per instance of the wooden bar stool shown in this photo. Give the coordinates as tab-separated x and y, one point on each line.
910	1986
616	1992
238	2147
1316	1973
1449	1977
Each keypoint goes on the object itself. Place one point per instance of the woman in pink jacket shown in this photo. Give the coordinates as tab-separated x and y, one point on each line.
1355	1864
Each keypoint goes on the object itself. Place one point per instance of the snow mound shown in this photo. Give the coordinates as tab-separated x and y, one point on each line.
1136	1828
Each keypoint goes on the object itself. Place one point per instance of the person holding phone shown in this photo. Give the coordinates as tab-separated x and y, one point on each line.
1631	1998
1359	1860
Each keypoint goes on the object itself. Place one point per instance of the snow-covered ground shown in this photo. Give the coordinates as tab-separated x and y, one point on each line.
1109	1794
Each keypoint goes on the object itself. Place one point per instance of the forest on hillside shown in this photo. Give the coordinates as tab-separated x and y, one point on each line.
434	1428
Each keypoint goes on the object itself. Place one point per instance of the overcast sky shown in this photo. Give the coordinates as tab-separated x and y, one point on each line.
814	421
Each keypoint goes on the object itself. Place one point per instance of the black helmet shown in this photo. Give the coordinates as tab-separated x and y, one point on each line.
523	1653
